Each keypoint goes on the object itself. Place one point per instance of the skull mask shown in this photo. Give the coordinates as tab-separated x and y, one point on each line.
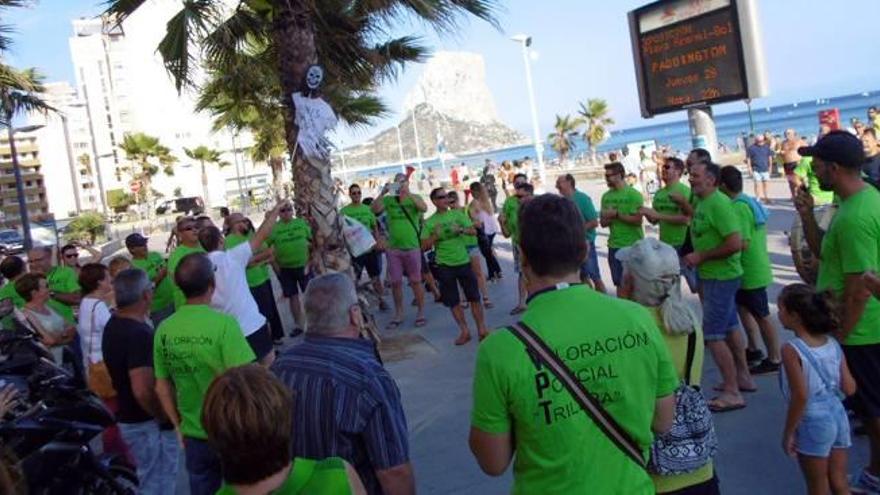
314	76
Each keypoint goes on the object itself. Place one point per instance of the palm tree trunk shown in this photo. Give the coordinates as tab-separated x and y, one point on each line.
277	165
315	197
206	198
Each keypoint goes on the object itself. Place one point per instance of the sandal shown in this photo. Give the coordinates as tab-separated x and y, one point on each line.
393	325
463	339
720	388
487	304
517	310
420	322
718	405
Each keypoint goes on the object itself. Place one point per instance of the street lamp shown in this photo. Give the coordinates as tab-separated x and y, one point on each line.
19	184
525	42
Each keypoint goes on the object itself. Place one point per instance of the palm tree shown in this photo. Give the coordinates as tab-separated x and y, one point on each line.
204	155
561	140
344	36
595	116
146	154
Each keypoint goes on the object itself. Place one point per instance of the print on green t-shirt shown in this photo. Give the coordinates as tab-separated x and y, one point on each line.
615	348
63	280
850	246
714	220
291	242
755	259
163	295
510	211
362	213
588	211
450	246
178	254
403	221
256	275
191	347
626	201
671	233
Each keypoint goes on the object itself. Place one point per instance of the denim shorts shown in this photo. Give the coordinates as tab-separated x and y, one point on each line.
616	267
822	430
719	308
590	267
762	176
473	250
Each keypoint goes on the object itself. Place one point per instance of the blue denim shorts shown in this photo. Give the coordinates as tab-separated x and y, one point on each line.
719	308
590	267
616	267
820	431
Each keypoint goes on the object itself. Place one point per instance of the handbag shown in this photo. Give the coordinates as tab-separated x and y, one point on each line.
591	406
359	238
691	442
99	379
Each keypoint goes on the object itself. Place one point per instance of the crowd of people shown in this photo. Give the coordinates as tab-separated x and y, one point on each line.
185	350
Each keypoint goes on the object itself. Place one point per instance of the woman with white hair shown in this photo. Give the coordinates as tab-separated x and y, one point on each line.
652	278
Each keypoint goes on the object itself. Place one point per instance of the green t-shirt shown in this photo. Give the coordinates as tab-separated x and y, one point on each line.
469	240
714	220
851	246
626	201
362	213
192	347
256	275
510	212
63	279
755	259
310	477
291	243
450	247
163	294
402	230
7	291
588	211
804	170
615	348
671	233
174	260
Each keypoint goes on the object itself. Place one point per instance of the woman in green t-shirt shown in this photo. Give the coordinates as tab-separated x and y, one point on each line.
246	414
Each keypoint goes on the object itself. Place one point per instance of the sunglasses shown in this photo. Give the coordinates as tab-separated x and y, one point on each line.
285	210
355	193
72	255
441	196
187	228
611	176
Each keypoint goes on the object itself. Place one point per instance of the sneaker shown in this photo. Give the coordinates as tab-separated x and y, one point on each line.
754	356
764	367
865	483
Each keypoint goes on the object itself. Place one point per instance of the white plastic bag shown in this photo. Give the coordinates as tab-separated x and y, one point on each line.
358	237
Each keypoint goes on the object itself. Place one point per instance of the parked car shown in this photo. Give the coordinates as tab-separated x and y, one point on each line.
187	206
11	242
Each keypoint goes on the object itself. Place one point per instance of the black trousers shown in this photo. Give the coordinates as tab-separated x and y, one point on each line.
493	268
265	298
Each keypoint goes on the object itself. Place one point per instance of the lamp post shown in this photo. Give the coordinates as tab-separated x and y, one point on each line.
19	184
525	42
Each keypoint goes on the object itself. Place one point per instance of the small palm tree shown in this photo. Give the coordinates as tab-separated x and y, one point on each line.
561	139
205	155
146	154
595	115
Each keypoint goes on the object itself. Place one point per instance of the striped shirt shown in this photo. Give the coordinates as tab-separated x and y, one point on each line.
345	405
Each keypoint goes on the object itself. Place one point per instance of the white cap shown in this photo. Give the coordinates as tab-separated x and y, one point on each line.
650	259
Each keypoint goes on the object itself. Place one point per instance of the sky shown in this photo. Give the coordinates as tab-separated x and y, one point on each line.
814	49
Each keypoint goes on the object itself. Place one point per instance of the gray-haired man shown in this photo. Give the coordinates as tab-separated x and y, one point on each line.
128	353
347	404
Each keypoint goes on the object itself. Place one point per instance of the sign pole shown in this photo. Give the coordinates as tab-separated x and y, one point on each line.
702	125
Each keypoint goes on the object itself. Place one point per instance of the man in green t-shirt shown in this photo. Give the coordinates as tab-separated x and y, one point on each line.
715	233
565	184
751	298
805	177
156	268
12	268
188	243
849	250
613	346
192	347
445	231
621	206
63	281
404	212
291	240
509	221
370	261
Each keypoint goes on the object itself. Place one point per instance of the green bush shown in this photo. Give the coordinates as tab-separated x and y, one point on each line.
119	200
86	227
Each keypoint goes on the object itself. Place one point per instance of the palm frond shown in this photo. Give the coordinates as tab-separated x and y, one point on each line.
120	9
183	32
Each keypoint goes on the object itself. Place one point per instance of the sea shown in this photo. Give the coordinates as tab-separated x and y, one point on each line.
802	116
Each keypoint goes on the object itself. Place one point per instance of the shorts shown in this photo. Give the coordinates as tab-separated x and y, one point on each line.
754	301
823	430
261	342
473	251
371	261
516	267
719	308
590	267
616	266
789	167
450	277
762	176
864	364
409	261
708	487
293	281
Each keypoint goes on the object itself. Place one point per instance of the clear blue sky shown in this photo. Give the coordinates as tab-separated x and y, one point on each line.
814	48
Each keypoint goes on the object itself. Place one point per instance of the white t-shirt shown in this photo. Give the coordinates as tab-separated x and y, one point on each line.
231	292
91	349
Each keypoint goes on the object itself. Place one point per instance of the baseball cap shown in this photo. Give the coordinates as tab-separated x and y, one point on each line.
650	259
839	147
135	240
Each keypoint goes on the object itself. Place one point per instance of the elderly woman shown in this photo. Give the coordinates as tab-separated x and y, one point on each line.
652	278
54	332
